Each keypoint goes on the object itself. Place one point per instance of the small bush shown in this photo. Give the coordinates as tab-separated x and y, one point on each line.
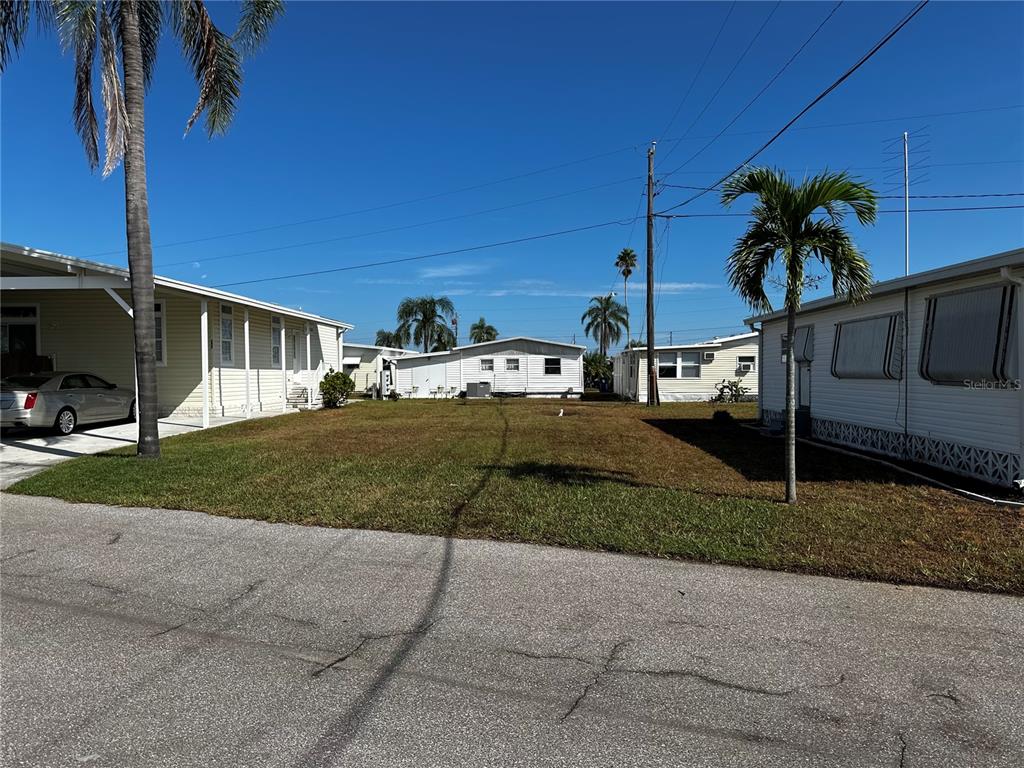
730	392
394	395
335	388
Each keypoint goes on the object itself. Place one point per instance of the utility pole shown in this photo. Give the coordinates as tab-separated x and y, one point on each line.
652	364
906	204
455	327
670	338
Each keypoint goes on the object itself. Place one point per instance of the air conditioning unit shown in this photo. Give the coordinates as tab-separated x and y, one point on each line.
709	357
746	367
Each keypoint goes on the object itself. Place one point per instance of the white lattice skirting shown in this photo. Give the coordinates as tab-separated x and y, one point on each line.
998	467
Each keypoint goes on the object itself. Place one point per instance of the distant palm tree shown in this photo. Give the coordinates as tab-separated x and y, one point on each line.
426	322
626	263
480	332
783	232
391	339
130	30
604	321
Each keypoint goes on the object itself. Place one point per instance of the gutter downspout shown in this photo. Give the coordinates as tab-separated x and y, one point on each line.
1019	282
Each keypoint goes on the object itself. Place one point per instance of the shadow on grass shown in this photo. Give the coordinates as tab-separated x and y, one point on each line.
336	737
564	474
762	459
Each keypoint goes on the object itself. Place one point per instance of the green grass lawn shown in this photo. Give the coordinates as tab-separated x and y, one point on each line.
668	482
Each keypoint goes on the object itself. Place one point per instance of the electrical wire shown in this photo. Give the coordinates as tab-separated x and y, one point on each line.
468	249
839	81
894	210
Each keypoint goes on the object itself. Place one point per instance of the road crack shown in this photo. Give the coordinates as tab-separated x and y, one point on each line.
605	668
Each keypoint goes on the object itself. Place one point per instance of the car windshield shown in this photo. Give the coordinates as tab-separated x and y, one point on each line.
29	380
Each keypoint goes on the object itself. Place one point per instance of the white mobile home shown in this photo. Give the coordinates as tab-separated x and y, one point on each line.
367	365
217	352
515	366
689	372
927	369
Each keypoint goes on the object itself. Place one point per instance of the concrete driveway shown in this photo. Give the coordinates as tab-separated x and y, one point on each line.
24	452
136	637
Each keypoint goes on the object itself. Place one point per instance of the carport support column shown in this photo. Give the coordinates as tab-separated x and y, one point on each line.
309	371
204	341
245	333
284	376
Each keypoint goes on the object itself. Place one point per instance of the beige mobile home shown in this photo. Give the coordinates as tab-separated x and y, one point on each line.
689	372
367	365
218	353
519	365
927	369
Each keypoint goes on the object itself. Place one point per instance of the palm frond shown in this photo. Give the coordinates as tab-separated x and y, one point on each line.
76	27
116	114
836	192
750	261
835	249
215	63
771	185
257	17
14	19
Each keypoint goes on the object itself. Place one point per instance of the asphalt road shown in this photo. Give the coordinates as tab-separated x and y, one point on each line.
136	637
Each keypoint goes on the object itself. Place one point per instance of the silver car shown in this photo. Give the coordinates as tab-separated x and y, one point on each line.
62	400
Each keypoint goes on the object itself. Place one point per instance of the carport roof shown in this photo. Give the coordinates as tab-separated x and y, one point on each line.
73	263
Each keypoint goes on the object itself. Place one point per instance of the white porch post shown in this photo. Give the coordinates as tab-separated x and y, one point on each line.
135	366
204	341
309	371
284	376
245	333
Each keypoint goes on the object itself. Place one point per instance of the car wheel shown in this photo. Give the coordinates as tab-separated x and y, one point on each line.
131	411
66	421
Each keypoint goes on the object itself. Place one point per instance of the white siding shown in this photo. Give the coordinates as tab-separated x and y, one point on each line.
984	418
458	368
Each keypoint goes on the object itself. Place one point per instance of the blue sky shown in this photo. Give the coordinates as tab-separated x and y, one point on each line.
361	106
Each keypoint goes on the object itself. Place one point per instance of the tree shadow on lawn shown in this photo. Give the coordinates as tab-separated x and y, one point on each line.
564	474
762	459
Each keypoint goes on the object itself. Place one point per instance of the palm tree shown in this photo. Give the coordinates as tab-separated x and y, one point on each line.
790	225
604	321
480	331
597	370
626	263
426	321
391	339
132	29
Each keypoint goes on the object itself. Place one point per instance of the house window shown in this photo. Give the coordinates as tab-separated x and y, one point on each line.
161	333
970	336
227	335
742	361
275	341
487	364
689	365
667	368
803	346
19	334
512	364
871	348
552	366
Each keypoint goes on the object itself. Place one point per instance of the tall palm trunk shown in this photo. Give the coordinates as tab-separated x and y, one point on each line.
140	249
790	403
625	302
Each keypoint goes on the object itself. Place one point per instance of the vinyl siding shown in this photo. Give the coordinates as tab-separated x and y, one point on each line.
457	369
983	418
632	381
86	330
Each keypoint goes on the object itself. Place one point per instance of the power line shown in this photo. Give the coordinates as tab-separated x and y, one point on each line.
696	75
760	93
894	210
385	206
839	81
900	197
436	254
401	227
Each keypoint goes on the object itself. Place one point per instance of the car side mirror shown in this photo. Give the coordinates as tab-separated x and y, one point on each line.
111	386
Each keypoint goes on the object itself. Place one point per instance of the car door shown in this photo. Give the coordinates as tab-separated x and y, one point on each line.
109	401
75	392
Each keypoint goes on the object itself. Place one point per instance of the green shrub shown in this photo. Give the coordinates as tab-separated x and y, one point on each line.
730	392
335	388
